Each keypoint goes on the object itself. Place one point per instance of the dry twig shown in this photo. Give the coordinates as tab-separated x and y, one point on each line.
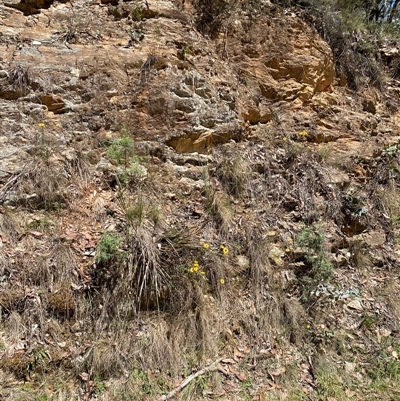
210	368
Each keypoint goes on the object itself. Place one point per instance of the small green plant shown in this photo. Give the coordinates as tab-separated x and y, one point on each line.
246	385
42	397
312	241
40	224
368	321
100	386
107	247
122	152
385	364
137	14
329	386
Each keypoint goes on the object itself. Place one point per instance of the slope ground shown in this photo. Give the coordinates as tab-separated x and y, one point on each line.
191	218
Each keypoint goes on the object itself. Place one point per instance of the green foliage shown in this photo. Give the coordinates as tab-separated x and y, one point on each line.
137	14
42	397
385	365
107	247
122	152
100	386
40	224
246	386
312	241
329	386
140	386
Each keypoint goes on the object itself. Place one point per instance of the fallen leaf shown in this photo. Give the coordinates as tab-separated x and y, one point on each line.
350	393
231	369
267	353
355	304
244	349
277	372
84	376
241	376
228	360
237	354
36	233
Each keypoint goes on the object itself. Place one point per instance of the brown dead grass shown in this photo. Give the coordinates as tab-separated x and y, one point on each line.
63	262
60	302
10	227
234	172
105	359
44	184
15	328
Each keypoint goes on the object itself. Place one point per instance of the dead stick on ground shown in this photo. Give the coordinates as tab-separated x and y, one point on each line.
210	368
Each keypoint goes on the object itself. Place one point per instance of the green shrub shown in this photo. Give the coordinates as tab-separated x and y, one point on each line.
319	268
122	152
107	247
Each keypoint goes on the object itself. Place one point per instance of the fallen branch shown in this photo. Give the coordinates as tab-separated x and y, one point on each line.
210	368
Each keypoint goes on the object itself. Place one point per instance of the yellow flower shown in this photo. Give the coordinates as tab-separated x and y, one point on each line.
303	133
191	270
221	247
287	250
206	246
222	281
202	273
225	251
284	139
308	326
41	125
195	268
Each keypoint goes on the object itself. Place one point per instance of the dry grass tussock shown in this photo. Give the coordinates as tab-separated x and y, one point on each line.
105	359
233	171
259	269
128	269
10	227
44	184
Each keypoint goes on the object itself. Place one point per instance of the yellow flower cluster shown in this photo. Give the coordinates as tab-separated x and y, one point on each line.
195	267
41	125
224	250
303	133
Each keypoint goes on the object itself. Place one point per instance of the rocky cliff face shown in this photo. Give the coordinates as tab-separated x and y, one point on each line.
245	141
